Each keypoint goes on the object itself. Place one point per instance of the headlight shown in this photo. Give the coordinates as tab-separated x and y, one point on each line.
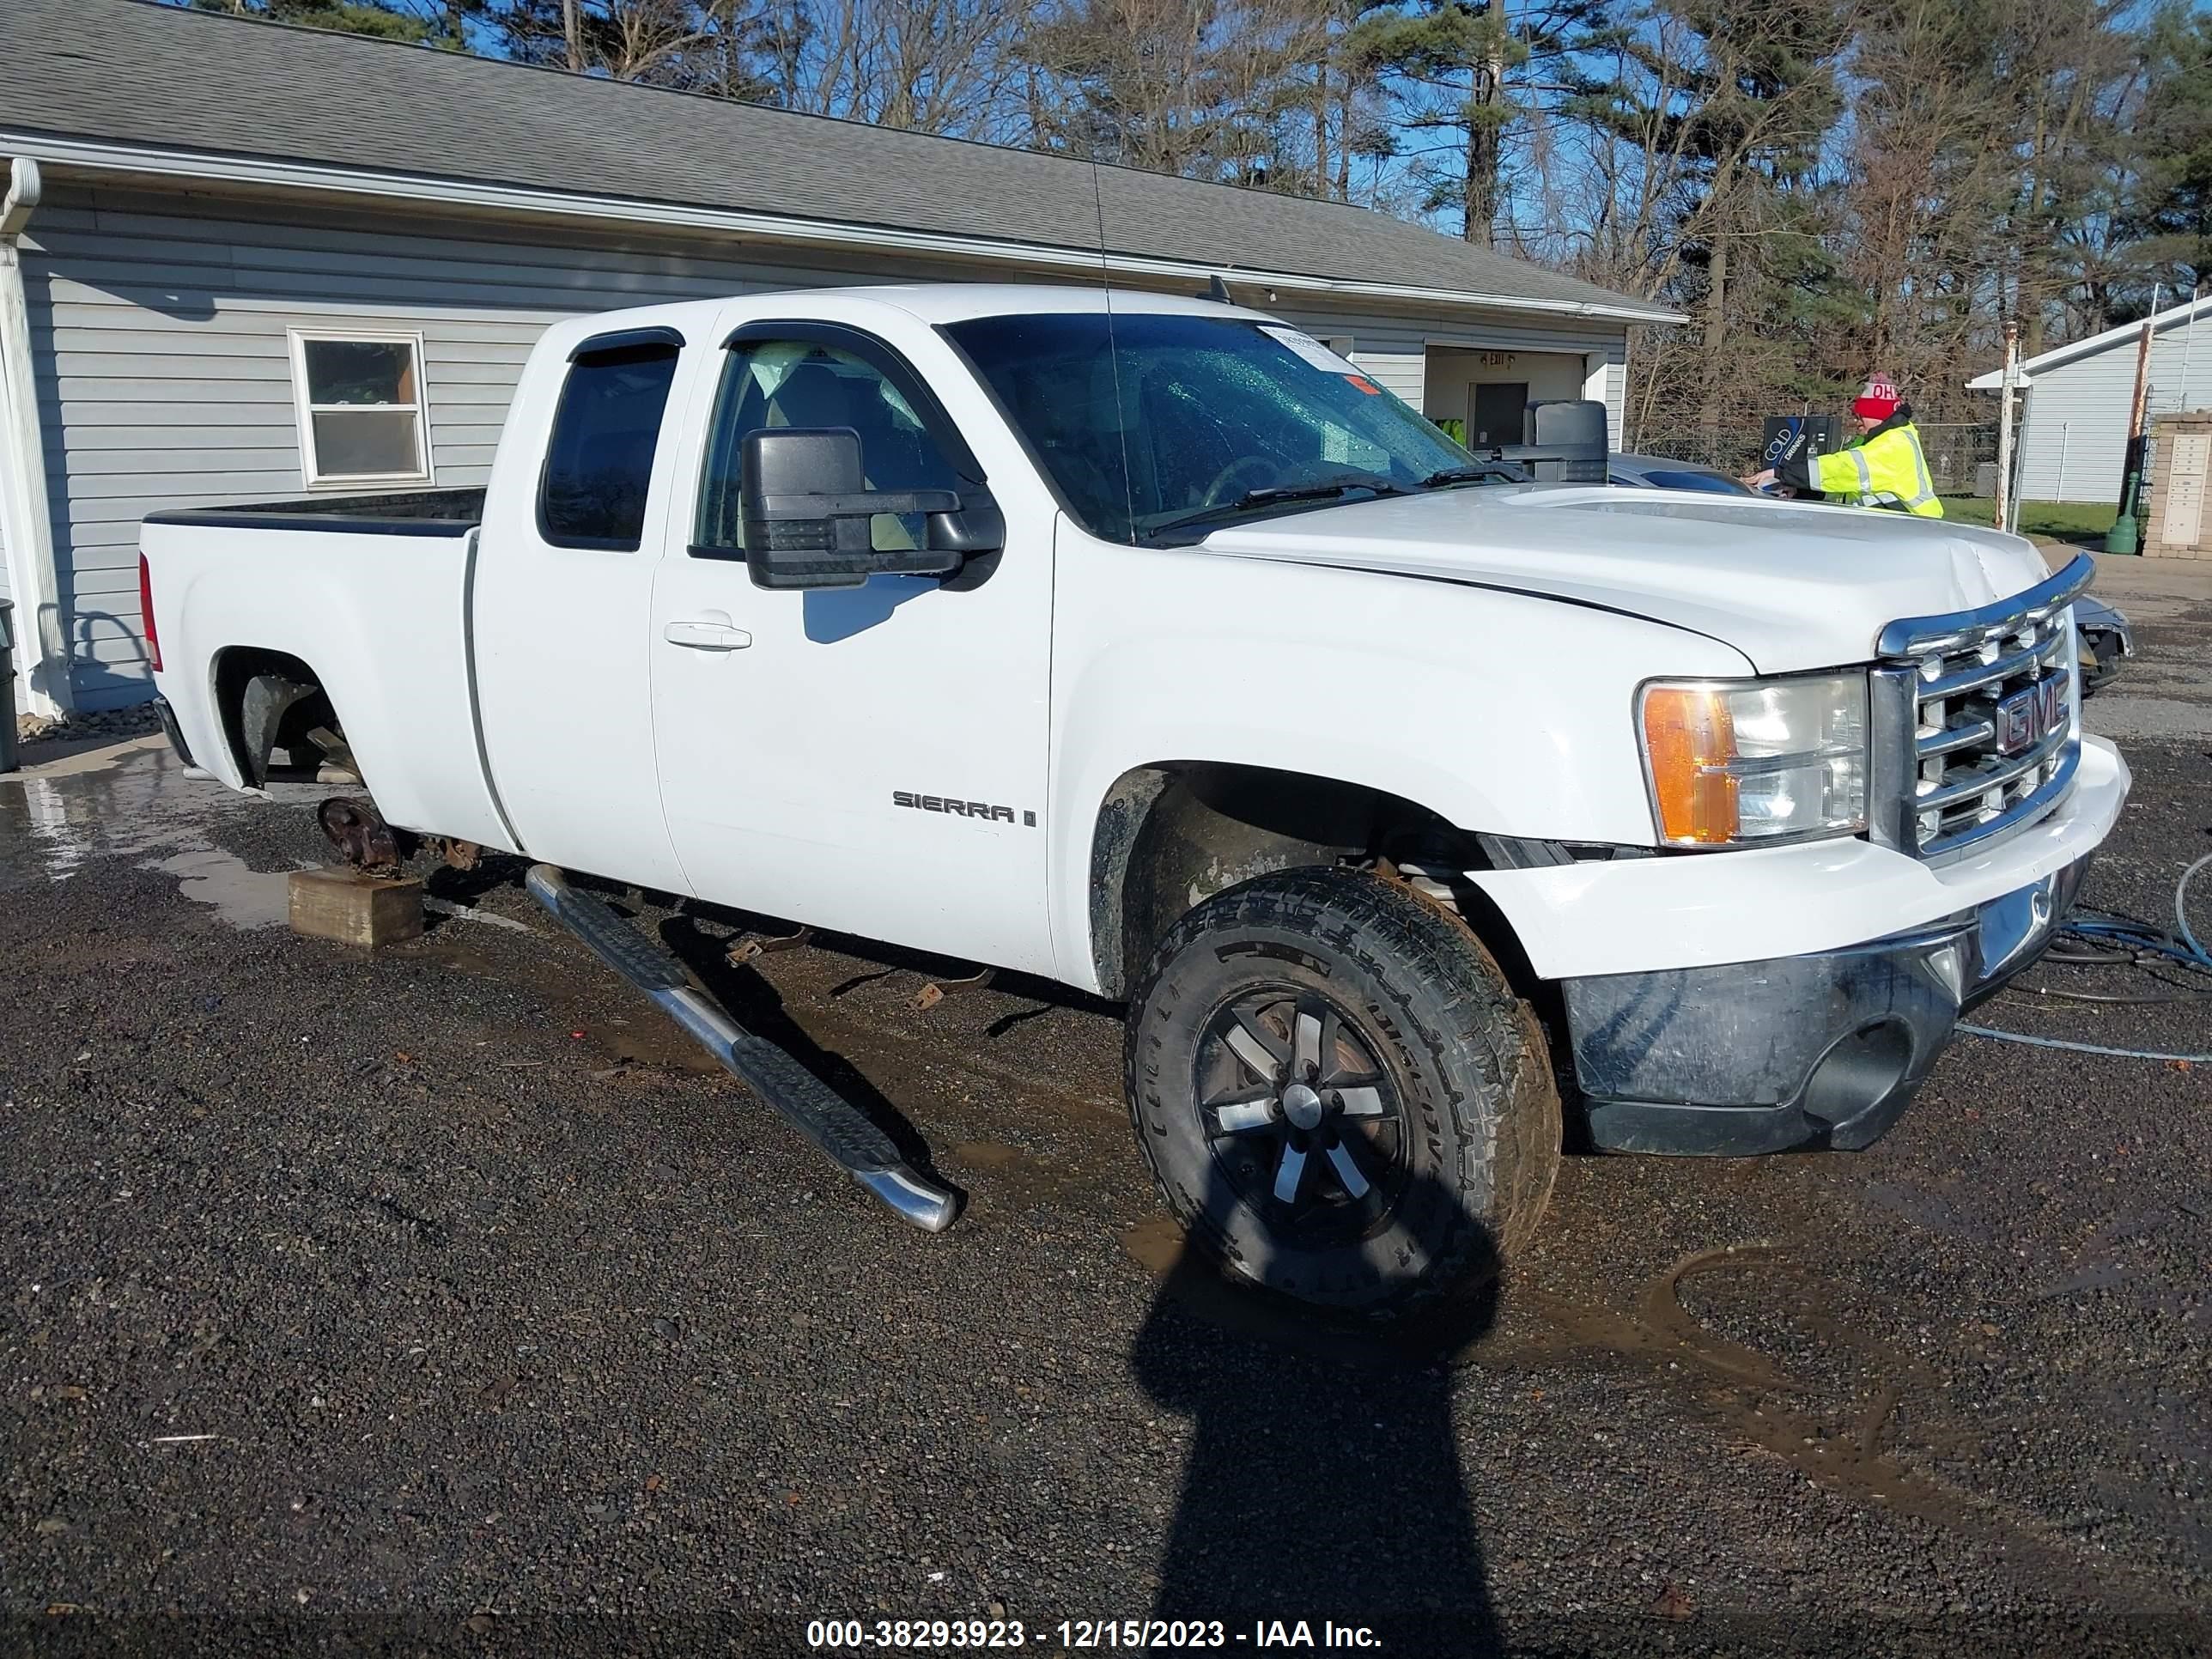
1737	761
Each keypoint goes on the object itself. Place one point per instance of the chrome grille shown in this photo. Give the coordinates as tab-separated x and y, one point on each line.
1991	700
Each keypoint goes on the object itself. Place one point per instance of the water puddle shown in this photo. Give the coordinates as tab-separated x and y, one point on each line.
137	804
242	896
445	907
45	821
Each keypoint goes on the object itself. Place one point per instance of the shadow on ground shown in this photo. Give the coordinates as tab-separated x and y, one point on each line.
1323	1481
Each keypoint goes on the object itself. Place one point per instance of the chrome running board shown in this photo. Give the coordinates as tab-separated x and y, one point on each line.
818	1112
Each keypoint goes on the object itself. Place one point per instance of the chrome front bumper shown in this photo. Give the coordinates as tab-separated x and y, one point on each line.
1794	1053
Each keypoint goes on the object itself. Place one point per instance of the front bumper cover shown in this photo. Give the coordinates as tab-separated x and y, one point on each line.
1794	1053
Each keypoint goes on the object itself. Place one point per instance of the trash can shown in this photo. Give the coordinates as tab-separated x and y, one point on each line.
7	689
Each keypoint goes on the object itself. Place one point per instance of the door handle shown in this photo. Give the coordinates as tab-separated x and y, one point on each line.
704	634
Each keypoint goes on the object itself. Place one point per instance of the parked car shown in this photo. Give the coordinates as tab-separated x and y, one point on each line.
1149	647
2105	639
1658	472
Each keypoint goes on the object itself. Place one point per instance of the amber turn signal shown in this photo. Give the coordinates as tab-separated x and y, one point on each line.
1690	739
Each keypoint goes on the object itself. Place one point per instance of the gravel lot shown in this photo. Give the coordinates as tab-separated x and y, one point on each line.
446	1300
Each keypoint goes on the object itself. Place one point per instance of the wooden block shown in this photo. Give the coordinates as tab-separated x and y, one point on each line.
354	907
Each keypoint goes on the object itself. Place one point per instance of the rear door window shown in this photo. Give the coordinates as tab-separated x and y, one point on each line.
598	465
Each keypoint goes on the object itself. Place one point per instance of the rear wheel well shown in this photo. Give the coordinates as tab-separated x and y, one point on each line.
1171	836
266	701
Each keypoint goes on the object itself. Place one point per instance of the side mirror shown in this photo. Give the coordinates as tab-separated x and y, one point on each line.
807	510
1567	440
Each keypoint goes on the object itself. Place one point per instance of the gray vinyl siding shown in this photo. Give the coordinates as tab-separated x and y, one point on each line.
164	366
1615	390
1393	348
158	331
1388	348
2073	437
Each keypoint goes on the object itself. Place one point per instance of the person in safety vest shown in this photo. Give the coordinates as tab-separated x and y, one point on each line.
1883	466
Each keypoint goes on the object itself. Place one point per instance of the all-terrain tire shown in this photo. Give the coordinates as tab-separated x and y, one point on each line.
1477	1128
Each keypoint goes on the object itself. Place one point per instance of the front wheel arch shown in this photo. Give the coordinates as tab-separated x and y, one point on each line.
1169	835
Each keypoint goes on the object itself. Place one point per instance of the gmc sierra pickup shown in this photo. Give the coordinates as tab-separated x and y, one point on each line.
1146	645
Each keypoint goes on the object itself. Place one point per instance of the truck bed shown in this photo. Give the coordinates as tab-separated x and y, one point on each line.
424	512
365	596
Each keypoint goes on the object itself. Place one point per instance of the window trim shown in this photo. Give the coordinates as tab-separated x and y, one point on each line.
626	339
602	345
304	411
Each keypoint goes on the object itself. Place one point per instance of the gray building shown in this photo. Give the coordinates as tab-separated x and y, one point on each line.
2073	434
240	261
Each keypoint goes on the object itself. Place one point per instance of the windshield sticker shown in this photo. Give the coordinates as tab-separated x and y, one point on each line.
1366	384
1310	349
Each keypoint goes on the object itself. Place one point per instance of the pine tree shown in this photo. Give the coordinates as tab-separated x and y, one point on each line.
430	22
2170	214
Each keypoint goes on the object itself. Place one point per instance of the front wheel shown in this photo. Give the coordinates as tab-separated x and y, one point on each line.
1339	1093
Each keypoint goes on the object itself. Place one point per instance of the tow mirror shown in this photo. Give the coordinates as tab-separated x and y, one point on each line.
808	514
1567	440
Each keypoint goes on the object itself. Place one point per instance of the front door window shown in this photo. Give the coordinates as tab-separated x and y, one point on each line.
791	383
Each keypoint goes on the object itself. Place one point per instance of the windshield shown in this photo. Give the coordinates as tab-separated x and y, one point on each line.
1187	422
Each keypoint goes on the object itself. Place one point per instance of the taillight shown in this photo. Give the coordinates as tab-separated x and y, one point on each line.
146	614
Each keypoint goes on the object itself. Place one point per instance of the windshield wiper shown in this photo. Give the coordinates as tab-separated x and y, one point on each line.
1315	489
1479	472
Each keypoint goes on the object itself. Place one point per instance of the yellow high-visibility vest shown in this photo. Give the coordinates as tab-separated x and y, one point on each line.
1885	469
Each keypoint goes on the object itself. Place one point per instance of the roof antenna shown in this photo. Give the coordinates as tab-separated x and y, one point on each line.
1217	290
1114	356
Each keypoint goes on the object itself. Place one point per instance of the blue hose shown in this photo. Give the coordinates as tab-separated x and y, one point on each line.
2181	910
2081	1048
2181	946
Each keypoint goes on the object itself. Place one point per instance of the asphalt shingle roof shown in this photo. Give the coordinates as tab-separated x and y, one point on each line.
127	72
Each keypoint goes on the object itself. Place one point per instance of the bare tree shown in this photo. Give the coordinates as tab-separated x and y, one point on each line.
949	66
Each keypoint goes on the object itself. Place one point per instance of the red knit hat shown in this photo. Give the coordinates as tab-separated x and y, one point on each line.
1877	400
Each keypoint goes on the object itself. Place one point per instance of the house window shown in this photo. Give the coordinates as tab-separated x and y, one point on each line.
360	397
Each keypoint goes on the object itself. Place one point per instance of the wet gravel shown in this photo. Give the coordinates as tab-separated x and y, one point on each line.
443	1302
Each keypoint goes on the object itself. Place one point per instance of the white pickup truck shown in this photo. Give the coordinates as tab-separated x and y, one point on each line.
1145	645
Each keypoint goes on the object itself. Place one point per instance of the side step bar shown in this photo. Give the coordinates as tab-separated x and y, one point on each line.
818	1111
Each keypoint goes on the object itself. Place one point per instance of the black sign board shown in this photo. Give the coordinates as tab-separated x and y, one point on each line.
1787	436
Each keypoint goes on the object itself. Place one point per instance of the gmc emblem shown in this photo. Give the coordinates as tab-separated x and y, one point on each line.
2026	718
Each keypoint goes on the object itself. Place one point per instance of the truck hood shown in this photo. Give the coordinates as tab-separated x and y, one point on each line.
1792	586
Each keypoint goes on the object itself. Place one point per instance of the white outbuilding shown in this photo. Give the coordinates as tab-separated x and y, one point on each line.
2073	438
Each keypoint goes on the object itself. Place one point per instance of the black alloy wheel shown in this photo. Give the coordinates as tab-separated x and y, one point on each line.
1304	1120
